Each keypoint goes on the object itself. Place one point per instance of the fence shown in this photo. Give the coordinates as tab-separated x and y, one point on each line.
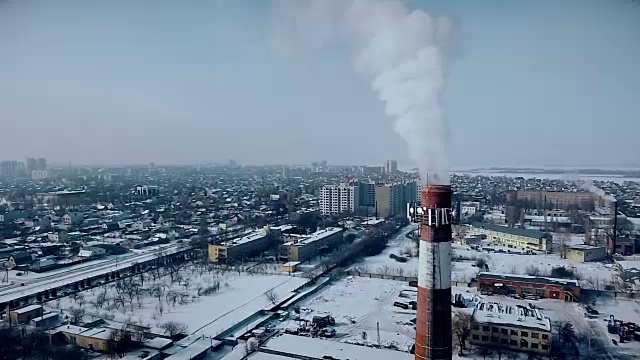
408	279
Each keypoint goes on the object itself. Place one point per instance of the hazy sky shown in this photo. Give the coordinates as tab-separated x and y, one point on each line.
86	81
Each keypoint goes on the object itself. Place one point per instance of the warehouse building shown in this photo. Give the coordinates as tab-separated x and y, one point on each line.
515	238
303	247
542	287
511	326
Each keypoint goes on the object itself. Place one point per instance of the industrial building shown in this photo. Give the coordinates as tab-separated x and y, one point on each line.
511	326
586	253
240	248
543	287
304	247
515	238
86	338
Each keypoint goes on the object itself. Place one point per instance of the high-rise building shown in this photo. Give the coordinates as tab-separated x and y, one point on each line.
42	164
9	169
32	164
390	167
336	199
367	193
391	199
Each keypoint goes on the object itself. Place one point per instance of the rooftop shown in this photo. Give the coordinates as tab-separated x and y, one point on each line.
256	235
528	279
511	230
315	348
27	309
318	235
515	315
585	247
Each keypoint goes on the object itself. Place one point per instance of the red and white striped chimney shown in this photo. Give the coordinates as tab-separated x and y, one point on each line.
433	323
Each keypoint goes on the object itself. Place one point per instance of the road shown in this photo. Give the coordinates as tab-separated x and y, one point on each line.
77	273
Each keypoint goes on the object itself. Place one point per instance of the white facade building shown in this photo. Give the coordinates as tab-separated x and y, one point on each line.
335	199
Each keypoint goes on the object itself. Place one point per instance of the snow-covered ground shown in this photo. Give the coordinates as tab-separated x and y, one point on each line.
463	268
160	300
359	305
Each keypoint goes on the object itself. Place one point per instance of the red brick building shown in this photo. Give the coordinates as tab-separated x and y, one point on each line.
551	288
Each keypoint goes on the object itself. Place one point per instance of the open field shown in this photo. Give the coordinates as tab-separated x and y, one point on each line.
359	305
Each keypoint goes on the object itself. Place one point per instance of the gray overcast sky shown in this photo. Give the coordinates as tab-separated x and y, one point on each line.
536	83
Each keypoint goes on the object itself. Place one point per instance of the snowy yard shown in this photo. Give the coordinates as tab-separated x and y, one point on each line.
358	305
207	302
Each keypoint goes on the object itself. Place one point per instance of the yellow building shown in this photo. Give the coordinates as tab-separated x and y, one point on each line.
87	338
586	253
515	238
290	267
240	248
25	314
304	247
511	326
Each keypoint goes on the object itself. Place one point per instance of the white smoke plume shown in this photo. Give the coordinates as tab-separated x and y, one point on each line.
589	186
404	54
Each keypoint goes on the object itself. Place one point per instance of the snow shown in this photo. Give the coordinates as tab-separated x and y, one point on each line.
319	349
239	296
358	305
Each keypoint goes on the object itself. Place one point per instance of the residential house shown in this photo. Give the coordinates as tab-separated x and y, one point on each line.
72	219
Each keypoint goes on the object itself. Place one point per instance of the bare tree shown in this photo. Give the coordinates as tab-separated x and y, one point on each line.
271	296
533	270
564	238
461	330
173	328
77	313
250	346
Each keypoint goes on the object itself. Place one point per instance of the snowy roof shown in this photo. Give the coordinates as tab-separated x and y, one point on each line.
27	309
528	279
157	343
300	346
535	234
291	263
513	315
256	235
586	247
372	222
192	351
318	235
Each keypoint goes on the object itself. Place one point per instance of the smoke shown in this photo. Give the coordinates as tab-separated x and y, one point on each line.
589	186
404	54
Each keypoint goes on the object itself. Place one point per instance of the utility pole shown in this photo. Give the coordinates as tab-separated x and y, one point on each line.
378	330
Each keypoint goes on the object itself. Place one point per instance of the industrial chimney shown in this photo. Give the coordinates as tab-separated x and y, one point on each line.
433	323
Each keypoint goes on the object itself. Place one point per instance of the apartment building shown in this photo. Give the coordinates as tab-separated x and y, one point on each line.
558	199
390	167
515	238
244	247
391	198
304	247
513	327
336	199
